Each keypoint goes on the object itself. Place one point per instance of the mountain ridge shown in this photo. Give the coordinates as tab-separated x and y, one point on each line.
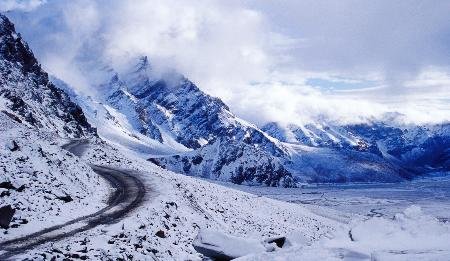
27	95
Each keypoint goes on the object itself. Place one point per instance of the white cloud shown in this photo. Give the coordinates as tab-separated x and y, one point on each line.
24	5
257	56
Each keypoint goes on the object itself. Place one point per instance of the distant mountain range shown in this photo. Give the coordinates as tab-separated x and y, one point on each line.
168	119
207	140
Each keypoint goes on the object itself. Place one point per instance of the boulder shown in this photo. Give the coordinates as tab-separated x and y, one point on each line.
220	246
278	241
66	198
7	185
6	214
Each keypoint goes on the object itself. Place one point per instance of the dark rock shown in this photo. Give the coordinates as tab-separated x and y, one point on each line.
6	214
279	241
12	116
197	160
214	255
12	146
155	161
21	188
7	185
66	198
160	234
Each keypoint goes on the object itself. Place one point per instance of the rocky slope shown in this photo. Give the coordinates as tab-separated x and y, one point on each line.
26	93
40	183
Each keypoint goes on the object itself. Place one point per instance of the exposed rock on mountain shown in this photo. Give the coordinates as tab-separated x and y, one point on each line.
169	107
27	95
400	149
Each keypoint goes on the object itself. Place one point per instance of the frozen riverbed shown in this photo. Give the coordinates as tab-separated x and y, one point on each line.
395	221
431	193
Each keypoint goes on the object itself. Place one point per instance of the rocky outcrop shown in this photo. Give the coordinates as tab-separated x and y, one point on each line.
27	94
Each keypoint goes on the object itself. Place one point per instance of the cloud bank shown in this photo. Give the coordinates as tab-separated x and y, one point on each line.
259	56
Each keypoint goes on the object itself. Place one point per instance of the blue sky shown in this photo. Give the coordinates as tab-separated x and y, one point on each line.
317	56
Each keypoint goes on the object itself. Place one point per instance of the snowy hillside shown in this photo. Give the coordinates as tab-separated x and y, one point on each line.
175	210
44	184
238	162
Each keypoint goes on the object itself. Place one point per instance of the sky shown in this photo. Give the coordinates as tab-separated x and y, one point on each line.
287	61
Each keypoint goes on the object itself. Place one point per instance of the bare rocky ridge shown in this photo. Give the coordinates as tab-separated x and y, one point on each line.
27	95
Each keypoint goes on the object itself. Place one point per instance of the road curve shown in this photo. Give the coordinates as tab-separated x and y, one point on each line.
129	193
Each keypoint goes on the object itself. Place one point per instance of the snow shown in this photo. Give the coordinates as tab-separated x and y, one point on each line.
180	212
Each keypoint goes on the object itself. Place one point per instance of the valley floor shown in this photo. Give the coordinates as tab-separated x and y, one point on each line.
384	221
430	193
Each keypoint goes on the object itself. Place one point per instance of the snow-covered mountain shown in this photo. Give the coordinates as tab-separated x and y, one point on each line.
180	128
173	119
412	149
27	95
47	193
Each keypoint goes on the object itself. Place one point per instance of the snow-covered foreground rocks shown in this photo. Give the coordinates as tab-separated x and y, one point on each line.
168	221
410	235
218	245
43	183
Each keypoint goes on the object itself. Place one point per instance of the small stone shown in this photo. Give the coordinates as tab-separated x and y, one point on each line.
160	234
66	198
12	146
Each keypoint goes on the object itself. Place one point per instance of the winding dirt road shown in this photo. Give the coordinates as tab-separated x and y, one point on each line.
129	193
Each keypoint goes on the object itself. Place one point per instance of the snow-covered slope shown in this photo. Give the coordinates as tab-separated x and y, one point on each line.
238	162
114	126
27	93
43	183
175	210
311	164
